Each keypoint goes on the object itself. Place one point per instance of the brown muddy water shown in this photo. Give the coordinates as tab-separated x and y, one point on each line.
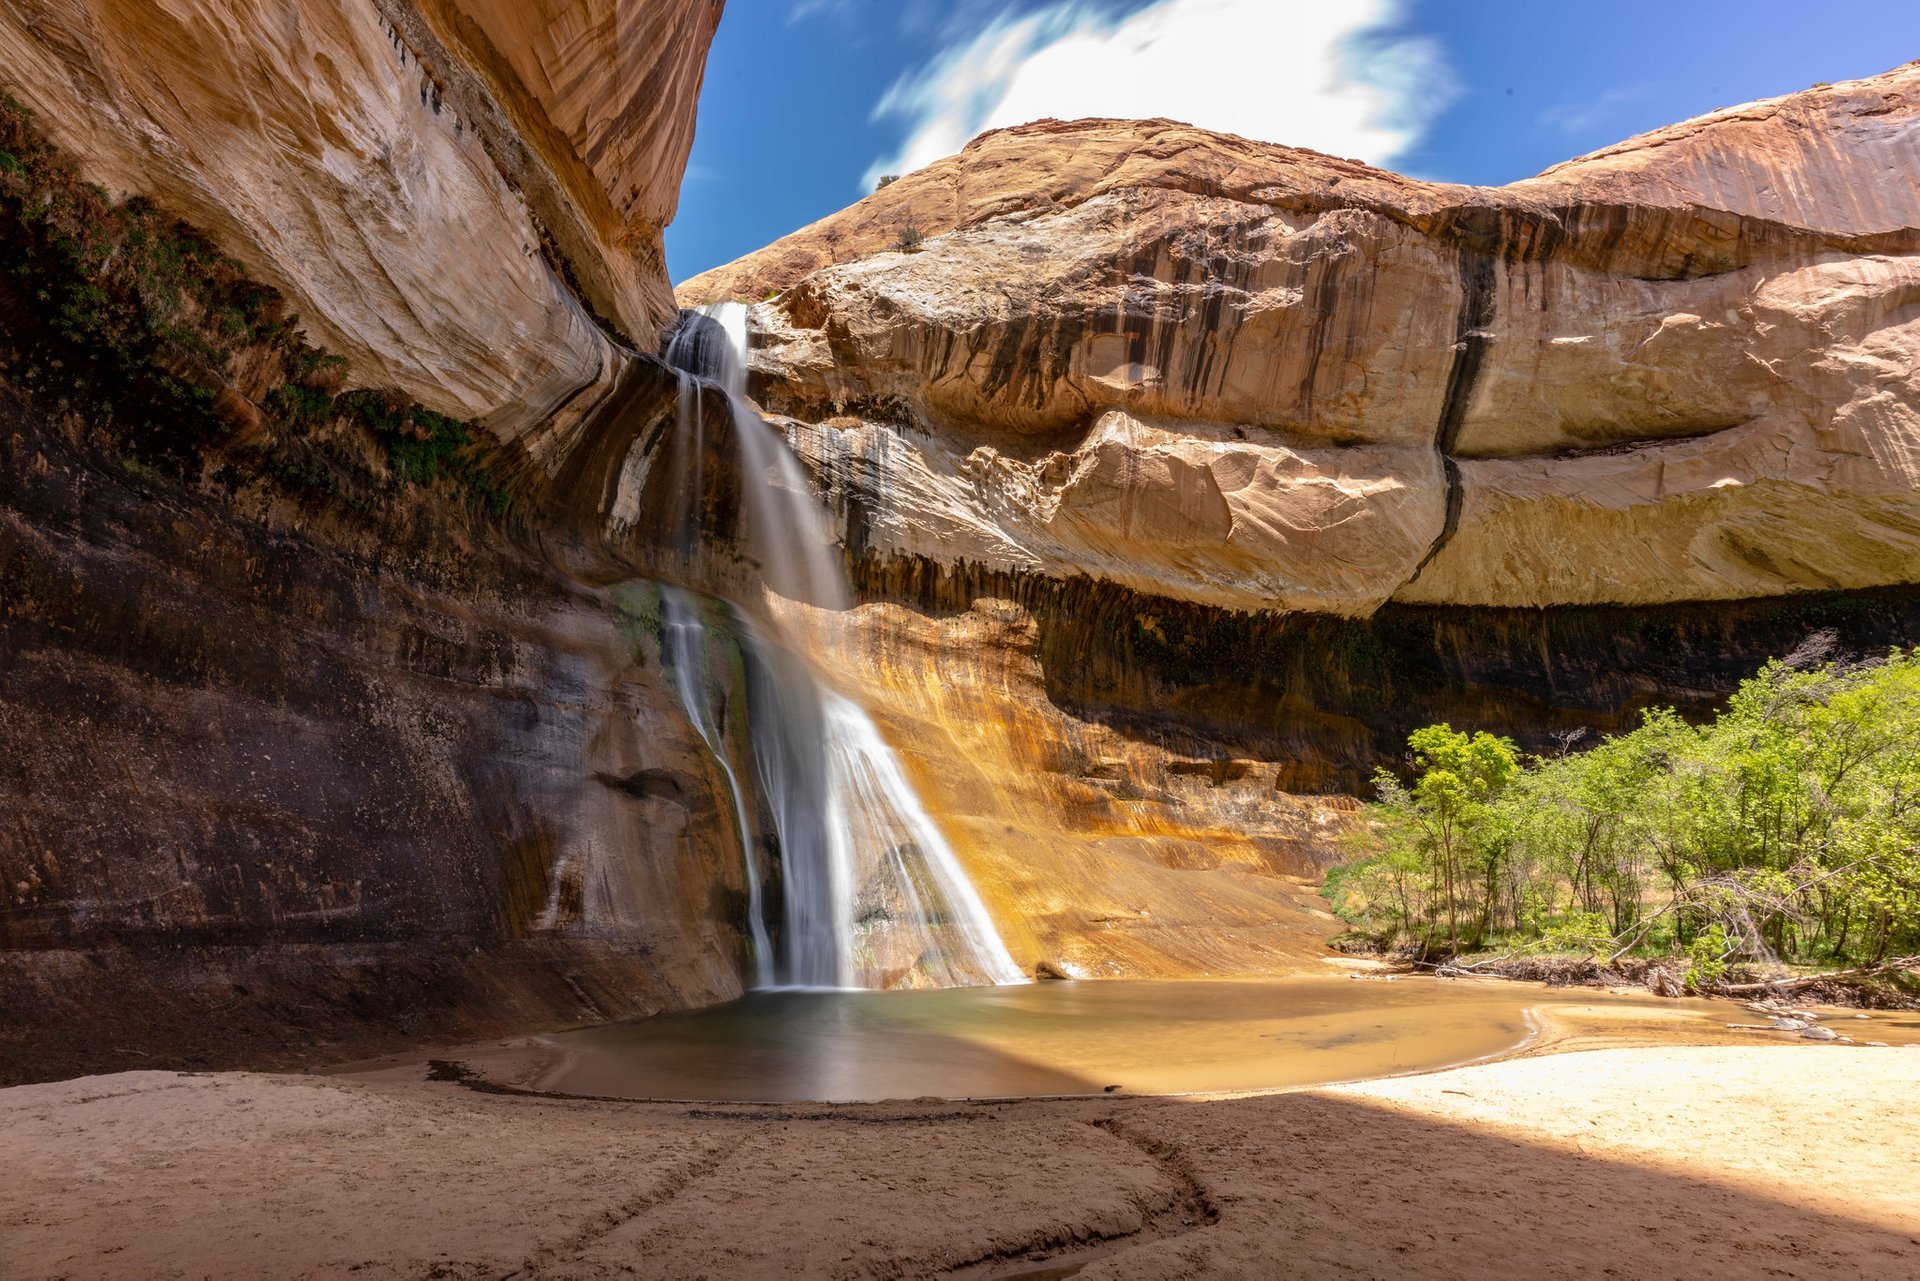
1041	1039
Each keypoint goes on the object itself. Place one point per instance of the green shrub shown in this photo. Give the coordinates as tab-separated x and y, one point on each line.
1707	957
1788	826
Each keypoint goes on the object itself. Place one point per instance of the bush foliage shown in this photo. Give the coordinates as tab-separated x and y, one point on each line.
1786	829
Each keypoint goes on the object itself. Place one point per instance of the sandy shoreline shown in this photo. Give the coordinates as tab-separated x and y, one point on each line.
1651	1160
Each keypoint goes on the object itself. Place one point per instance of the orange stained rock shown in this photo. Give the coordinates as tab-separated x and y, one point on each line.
1099	853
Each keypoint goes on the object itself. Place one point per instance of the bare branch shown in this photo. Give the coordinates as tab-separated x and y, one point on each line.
1814	650
1902	965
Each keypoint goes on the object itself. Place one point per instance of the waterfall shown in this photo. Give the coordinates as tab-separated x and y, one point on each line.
683	644
872	895
909	886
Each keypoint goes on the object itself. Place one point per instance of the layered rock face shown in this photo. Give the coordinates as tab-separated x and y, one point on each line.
306	757
286	785
1686	368
1270	458
1104	851
1177	473
450	192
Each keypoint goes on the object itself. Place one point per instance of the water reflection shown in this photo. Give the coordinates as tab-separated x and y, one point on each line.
1053	1038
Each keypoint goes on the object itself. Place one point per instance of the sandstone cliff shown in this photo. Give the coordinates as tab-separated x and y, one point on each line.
285	783
309	750
449	192
1684	368
1177	474
1208	469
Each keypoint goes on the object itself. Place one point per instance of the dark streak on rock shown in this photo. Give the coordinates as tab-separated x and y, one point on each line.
1336	697
1473	338
649	785
1322	300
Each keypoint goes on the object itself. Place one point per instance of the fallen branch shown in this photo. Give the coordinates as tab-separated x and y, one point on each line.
1636	932
1443	970
1454	968
1904	964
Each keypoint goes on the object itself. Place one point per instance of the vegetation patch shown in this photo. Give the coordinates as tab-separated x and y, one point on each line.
1776	840
135	321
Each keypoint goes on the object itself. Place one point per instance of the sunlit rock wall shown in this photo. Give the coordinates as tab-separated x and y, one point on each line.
1196	472
1102	852
1685	368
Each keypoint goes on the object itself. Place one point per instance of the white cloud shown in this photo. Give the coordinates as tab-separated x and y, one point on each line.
1327	74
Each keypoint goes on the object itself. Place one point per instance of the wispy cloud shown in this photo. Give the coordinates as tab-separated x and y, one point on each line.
1334	75
1589	113
804	9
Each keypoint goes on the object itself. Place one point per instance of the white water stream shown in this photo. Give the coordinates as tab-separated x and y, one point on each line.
684	642
872	895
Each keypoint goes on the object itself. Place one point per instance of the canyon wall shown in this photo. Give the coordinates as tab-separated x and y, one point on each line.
1276	457
1179	477
310	749
287	784
1237	374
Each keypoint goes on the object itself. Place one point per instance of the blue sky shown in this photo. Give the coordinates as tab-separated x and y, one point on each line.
806	100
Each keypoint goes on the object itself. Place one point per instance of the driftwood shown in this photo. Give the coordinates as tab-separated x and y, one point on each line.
1454	968
1444	971
1661	979
1664	980
1902	965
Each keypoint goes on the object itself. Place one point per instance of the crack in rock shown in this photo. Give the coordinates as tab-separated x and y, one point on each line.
1472	338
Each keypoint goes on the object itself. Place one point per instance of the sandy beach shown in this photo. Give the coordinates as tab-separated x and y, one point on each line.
1643	1160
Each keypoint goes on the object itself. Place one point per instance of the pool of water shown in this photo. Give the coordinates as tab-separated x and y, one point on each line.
1043	1038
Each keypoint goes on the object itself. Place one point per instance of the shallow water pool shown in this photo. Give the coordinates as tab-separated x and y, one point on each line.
1042	1038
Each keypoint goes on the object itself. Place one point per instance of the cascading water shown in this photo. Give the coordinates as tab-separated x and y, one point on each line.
917	887
872	894
684	646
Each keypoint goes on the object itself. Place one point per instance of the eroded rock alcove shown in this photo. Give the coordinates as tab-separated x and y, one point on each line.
1178	475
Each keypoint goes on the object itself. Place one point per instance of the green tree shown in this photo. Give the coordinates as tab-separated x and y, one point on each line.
1788	826
1450	808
